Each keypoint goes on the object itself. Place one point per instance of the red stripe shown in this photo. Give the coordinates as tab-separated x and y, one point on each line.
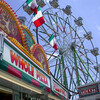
39	22
34	10
14	72
48	89
56	94
34	82
62	98
55	46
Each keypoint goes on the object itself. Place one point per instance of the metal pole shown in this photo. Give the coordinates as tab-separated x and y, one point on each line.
37	35
1	45
84	66
98	66
99	72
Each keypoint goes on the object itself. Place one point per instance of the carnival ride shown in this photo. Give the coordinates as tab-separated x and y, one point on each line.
75	62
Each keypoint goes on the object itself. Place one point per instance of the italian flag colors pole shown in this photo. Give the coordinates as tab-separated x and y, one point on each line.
53	42
33	5
38	19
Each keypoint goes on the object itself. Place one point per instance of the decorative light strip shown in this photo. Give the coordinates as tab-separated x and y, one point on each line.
14	41
34	47
16	19
24	27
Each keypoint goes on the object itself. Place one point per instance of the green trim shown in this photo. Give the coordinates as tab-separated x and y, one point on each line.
3	66
59	95
26	77
42	86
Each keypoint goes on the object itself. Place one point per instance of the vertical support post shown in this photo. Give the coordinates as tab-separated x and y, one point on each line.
99	72
37	35
51	82
98	66
13	96
1	45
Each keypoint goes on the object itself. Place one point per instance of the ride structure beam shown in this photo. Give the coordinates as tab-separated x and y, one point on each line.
58	69
77	73
64	76
84	65
37	35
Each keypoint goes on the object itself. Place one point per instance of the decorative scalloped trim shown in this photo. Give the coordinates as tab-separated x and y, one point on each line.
24	50
34	47
16	19
25	41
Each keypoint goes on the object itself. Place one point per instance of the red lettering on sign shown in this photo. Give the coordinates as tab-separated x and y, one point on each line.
88	91
21	63
58	89
14	58
41	77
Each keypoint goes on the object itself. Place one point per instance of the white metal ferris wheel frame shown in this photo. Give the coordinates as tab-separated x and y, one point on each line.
86	36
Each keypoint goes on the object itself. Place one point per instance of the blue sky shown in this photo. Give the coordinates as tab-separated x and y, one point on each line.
89	10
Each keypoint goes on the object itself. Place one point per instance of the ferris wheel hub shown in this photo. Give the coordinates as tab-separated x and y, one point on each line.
73	45
61	51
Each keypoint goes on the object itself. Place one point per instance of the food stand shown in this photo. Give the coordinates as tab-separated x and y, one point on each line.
24	69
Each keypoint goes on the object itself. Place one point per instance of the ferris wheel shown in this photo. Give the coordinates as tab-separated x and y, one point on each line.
73	62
